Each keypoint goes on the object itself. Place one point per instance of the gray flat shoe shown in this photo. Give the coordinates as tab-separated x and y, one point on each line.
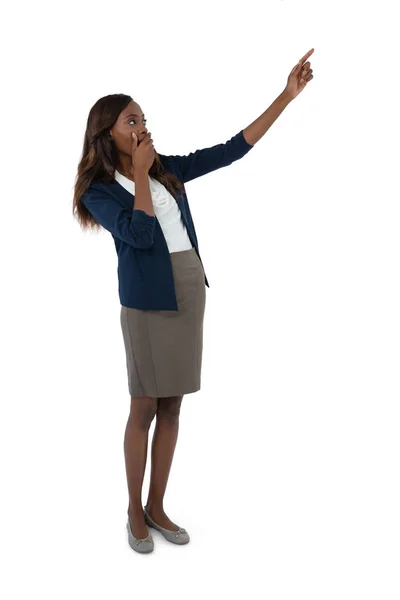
180	536
143	545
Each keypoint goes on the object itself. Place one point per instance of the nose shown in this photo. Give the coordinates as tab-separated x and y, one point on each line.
143	132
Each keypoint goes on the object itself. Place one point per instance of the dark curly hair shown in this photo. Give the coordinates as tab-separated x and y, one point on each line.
99	156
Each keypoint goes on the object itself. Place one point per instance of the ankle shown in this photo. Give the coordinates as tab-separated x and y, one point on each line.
155	508
135	508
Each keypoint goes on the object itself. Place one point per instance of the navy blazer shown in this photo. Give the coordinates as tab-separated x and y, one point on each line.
145	277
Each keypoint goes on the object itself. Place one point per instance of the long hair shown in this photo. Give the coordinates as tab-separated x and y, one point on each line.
99	157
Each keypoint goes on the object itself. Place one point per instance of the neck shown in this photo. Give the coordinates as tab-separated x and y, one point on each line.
125	167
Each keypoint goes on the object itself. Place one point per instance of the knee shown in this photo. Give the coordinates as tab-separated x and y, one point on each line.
143	411
169	408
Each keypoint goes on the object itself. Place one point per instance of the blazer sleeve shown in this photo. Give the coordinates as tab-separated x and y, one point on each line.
205	161
135	227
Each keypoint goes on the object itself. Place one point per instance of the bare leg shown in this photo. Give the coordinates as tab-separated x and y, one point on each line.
142	412
162	452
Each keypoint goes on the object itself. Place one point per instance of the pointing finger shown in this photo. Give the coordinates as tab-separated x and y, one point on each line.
305	56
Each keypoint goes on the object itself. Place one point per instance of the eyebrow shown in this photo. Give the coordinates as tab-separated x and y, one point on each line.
133	115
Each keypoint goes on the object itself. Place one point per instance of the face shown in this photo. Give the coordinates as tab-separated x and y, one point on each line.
130	119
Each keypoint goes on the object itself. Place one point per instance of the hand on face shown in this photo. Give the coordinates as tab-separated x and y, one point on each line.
143	153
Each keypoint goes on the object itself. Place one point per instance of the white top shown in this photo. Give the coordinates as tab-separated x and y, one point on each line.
166	210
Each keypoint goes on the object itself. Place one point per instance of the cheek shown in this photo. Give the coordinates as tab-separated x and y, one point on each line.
128	141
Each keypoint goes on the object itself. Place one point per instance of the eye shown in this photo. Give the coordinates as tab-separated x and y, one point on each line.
134	120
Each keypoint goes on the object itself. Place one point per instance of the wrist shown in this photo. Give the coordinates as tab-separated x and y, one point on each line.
286	96
140	171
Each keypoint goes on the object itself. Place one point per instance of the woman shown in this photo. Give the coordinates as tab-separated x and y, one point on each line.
138	195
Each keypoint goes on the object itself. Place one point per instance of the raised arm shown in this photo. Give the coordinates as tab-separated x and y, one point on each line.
205	161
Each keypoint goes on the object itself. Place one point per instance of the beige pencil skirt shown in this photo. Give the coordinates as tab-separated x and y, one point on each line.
164	348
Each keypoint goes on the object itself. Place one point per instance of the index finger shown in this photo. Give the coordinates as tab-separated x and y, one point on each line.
306	56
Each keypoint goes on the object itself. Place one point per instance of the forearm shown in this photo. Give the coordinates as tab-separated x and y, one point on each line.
143	199
260	126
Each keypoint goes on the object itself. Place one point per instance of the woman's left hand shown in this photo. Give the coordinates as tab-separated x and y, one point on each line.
299	76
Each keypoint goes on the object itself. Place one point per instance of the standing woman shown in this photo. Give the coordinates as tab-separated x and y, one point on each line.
138	195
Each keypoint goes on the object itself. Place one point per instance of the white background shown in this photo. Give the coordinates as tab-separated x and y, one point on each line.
286	470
